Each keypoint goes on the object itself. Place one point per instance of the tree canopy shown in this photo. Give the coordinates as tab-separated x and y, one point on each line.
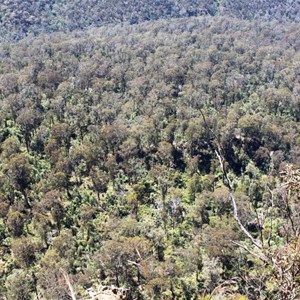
161	157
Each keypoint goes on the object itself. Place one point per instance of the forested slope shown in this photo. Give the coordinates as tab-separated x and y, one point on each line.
19	18
109	173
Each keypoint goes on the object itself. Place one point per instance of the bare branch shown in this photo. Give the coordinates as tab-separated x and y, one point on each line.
133	263
271	216
68	282
260	255
218	152
234	205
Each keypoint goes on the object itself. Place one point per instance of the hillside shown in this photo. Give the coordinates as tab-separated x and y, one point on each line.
108	168
19	18
159	159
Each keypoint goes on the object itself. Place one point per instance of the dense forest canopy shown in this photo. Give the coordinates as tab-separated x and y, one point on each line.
160	157
19	18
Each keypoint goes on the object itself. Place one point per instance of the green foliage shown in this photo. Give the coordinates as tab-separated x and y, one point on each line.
19	285
108	139
15	222
23	250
